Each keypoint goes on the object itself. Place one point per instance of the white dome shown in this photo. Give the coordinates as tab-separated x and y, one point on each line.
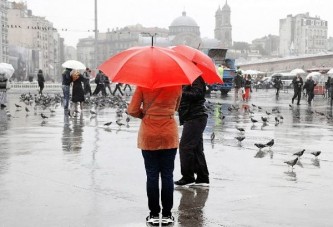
184	21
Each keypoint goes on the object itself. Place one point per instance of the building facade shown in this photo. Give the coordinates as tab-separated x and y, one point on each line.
182	30
223	28
268	45
3	32
302	34
33	44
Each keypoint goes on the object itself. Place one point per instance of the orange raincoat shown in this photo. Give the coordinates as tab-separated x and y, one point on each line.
156	108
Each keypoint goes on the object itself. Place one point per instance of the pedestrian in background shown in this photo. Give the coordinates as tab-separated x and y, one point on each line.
278	85
298	84
127	86
4	85
158	139
193	116
118	88
86	82
247	84
328	87
238	82
77	92
309	87
107	84
41	81
66	81
100	83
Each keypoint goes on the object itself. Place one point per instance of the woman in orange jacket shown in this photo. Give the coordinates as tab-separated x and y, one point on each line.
158	139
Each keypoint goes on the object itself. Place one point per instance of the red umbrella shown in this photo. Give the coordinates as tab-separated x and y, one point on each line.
151	67
203	62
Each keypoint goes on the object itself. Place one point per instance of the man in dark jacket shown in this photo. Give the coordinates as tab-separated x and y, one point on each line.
309	86
100	83
298	83
193	117
41	80
66	81
86	82
238	83
278	85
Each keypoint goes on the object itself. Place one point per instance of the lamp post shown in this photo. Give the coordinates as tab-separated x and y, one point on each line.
96	35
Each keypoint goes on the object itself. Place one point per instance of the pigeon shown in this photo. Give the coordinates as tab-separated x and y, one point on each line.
108	123
260	145
240	138
292	162
264	119
253	120
43	116
212	136
270	143
277	120
119	123
17	105
240	129
92	112
316	153
128	119
268	113
299	153
259	107
27	110
253	105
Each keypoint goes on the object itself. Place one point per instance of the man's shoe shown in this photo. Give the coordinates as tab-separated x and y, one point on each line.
167	220
153	220
183	182
298	104
292	101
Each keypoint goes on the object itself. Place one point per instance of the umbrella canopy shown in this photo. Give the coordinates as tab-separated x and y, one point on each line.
6	69
315	76
73	64
150	67
202	61
297	71
330	71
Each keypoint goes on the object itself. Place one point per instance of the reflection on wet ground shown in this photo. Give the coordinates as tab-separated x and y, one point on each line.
50	167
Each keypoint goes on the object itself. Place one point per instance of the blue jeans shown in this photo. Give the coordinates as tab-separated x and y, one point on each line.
65	90
156	163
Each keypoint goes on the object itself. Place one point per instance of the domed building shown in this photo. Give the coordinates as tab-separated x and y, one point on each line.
184	30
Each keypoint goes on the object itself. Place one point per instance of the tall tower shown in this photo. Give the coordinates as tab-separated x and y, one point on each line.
223	26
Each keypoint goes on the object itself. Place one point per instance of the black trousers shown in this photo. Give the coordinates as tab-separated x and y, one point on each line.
117	88
297	93
310	96
191	151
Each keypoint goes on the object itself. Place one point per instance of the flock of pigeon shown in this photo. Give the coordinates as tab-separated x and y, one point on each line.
278	118
46	105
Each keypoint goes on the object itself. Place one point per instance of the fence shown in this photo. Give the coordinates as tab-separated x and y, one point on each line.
21	87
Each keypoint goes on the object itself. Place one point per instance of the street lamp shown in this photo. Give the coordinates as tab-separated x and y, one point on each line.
96	35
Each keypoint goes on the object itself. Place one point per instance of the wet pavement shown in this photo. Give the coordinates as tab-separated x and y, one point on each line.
64	171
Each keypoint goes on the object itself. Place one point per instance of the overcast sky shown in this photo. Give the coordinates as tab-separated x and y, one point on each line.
250	19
